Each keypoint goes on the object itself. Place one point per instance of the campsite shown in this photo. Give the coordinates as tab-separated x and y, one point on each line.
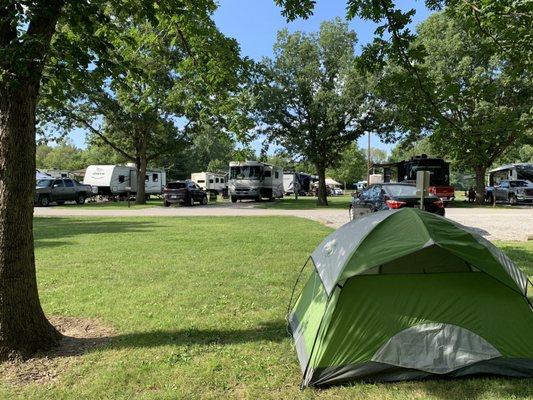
275	199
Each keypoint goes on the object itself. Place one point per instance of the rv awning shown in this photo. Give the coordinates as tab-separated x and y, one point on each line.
332	182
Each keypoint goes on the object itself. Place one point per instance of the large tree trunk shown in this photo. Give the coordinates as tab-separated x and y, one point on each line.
140	197
480	184
23	325
322	199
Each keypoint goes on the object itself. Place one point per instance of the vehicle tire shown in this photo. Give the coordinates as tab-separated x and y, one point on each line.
80	199
166	203
512	200
233	199
44	201
191	201
489	199
204	200
258	199
60	203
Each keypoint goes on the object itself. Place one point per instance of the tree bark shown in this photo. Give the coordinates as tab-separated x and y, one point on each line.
322	199
480	184
140	197
23	325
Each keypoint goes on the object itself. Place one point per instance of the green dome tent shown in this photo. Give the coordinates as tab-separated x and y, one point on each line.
406	294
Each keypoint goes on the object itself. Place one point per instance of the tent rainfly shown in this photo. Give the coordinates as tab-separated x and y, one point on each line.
405	294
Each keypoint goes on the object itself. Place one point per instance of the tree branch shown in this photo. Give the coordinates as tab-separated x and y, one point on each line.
407	63
101	136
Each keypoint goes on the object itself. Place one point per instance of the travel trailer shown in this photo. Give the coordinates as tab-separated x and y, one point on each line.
210	181
120	179
300	180
254	180
511	172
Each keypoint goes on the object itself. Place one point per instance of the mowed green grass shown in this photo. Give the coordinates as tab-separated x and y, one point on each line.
198	305
306	203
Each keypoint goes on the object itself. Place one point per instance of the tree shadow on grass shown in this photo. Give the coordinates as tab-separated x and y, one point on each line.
51	232
274	331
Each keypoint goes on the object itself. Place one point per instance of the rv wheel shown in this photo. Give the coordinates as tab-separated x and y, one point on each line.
44	201
167	204
204	200
80	199
233	199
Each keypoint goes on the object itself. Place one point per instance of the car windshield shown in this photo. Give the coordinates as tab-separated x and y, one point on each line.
245	172
400	190
176	185
44	182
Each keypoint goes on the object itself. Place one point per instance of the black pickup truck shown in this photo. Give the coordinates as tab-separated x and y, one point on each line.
60	190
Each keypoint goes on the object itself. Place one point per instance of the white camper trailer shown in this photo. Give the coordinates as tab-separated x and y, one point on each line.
119	179
210	181
254	180
297	180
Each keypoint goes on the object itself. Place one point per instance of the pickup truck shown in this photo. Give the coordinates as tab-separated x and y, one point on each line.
512	192
60	190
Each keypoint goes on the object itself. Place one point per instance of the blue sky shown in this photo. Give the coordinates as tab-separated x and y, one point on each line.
254	24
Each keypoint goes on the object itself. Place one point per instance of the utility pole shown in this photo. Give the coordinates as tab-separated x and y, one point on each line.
368	161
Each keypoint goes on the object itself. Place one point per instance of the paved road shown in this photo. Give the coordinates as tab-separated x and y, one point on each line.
493	223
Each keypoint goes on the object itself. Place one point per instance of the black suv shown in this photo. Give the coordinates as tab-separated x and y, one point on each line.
184	192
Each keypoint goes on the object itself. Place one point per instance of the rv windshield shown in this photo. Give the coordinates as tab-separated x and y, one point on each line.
44	183
525	172
245	172
438	175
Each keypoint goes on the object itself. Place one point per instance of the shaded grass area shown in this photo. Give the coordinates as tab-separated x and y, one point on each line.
306	203
198	305
113	204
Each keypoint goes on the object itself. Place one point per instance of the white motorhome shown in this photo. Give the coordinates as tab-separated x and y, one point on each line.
254	180
210	181
119	179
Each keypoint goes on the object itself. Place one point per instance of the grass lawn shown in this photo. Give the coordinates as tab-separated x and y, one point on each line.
305	203
113	204
198	307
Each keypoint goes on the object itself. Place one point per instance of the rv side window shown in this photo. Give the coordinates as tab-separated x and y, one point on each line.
211	180
276	175
69	183
146	178
201	181
121	179
268	174
217	180
155	177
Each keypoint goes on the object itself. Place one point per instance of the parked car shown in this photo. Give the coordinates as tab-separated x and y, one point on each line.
60	190
510	191
389	196
184	192
337	191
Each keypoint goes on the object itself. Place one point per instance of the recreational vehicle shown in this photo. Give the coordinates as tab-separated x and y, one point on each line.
300	180
120	179
210	181
511	172
254	180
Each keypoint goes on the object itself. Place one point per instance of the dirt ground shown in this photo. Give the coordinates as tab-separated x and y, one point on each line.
513	223
79	336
